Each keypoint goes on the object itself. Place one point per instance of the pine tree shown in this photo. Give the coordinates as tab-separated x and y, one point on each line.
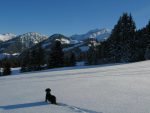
92	56
39	57
32	60
0	68
25	62
142	42
147	53
56	58
72	59
6	67
102	52
146	35
66	60
122	39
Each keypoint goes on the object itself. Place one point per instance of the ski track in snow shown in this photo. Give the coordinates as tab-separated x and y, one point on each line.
77	109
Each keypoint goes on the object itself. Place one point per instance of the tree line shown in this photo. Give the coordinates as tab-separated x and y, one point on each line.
35	60
5	67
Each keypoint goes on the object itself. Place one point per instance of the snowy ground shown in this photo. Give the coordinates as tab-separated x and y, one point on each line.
110	89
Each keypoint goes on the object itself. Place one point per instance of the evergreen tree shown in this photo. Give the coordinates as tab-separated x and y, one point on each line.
36	57
32	60
102	52
147	53
25	62
66	60
72	59
56	58
6	67
92	56
122	39
142	42
146	35
0	68
14	62
40	56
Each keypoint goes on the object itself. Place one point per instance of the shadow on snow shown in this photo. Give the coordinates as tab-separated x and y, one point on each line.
35	104
25	105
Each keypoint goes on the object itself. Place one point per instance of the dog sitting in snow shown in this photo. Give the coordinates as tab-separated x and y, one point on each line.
49	97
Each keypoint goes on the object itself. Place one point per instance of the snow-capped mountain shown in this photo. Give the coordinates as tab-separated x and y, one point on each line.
31	38
99	34
79	43
6	37
63	39
80	47
21	42
67	43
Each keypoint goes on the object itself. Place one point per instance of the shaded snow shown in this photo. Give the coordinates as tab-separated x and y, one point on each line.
84	48
7	55
97	89
15	71
70	48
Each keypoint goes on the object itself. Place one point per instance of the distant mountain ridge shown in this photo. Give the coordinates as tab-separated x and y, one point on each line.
7	36
99	34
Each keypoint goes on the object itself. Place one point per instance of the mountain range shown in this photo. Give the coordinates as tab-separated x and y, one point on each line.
11	44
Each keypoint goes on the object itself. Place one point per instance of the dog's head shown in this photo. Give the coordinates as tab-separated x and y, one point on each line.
47	90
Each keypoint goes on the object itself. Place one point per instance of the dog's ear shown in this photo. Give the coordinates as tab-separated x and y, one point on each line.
47	90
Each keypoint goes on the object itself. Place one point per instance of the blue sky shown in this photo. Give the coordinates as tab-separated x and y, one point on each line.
68	16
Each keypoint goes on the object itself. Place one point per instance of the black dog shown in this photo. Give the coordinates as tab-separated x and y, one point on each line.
49	97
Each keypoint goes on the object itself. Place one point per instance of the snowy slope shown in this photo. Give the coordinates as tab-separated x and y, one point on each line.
7	36
99	34
96	89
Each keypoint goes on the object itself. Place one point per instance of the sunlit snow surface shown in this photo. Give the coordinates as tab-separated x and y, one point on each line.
123	88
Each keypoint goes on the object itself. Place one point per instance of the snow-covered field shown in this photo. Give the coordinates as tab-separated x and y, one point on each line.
110	89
